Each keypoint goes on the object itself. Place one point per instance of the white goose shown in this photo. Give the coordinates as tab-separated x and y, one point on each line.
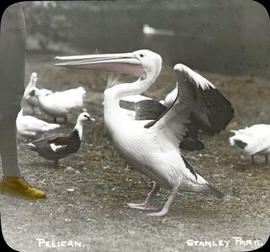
59	104
254	140
31	127
30	100
152	147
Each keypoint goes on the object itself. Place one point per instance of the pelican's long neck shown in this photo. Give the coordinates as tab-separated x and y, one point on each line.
79	128
115	93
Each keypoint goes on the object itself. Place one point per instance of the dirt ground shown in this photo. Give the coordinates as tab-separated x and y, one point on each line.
86	200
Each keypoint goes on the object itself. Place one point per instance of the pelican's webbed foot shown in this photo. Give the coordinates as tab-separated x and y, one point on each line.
146	204
166	207
141	206
159	214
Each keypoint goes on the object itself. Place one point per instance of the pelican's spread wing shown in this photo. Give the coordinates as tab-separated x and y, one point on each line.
144	109
198	105
149	110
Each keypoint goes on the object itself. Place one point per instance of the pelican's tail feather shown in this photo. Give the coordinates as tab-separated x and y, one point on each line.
212	190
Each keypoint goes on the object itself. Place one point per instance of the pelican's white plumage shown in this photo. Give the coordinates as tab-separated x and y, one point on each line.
254	140
59	104
152	147
32	127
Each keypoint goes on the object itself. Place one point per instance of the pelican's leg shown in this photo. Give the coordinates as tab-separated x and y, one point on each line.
146	204
266	158
54	120
166	207
65	119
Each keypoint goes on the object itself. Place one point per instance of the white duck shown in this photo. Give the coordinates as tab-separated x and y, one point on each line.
254	140
31	127
59	104
30	100
58	147
152	147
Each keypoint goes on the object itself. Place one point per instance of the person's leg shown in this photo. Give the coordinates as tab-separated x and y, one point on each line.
12	181
12	68
8	148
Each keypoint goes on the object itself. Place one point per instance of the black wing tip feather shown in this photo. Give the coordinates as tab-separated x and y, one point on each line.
149	110
226	108
127	105
191	144
219	110
189	166
145	109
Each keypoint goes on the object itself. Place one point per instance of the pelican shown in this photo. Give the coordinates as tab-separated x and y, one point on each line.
254	140
152	146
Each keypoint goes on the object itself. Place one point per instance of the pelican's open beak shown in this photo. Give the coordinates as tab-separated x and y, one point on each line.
125	63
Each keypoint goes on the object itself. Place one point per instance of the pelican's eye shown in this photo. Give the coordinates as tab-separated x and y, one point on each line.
141	55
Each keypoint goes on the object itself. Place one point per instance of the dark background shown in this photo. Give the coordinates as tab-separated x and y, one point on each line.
230	37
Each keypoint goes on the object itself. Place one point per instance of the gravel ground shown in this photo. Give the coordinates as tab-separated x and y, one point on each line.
86	200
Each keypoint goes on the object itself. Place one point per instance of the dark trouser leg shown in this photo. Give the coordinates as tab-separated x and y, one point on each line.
8	148
12	55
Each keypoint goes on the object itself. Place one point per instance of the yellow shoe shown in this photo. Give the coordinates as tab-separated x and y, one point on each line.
18	186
